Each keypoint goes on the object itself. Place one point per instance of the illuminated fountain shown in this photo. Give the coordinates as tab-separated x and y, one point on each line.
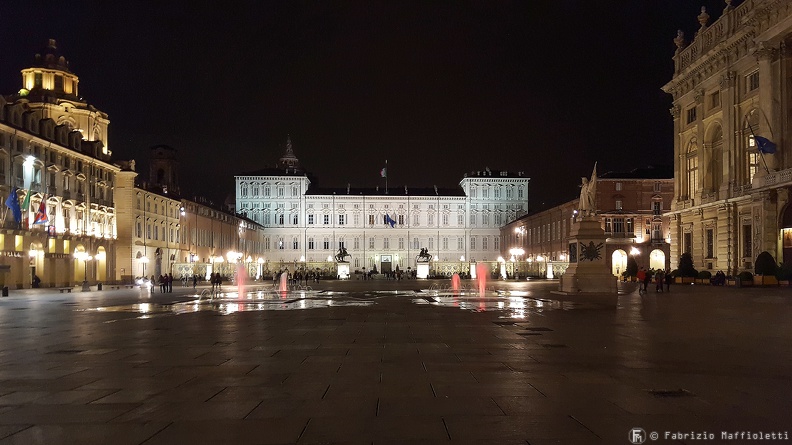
284	281
241	276
455	283
481	277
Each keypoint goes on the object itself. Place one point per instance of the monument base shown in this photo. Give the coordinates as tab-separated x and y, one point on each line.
588	271
422	270
342	270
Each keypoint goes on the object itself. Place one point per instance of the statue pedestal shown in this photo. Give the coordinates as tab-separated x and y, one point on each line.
342	270
588	271
422	270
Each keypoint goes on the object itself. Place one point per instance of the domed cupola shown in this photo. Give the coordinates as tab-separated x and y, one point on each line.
49	74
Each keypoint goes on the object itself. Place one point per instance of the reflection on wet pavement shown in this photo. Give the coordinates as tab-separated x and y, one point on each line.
513	304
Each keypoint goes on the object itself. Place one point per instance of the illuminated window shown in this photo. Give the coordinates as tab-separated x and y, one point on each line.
692	169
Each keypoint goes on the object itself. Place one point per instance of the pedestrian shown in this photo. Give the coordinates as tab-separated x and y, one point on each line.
641	280
162	284
668	279
659	279
170	283
195	280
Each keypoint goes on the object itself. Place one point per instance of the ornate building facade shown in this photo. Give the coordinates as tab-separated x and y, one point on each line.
54	155
731	112
382	229
631	207
160	232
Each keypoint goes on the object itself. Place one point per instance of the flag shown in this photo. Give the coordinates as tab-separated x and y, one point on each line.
26	206
13	203
764	145
41	215
389	220
384	172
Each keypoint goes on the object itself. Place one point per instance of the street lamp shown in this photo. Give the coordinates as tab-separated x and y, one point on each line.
79	255
516	252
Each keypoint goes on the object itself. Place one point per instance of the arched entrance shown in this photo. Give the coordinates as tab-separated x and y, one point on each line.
101	264
79	268
657	259
618	262
36	261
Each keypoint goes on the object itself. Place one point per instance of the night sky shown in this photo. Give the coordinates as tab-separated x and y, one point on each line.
437	88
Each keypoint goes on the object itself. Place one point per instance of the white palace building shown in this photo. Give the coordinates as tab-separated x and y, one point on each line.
381	229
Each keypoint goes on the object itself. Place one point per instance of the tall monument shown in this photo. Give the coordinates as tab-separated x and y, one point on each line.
588	267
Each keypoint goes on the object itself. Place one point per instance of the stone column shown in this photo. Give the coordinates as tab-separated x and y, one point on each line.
768	100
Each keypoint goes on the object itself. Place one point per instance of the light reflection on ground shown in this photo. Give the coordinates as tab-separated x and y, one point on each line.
513	304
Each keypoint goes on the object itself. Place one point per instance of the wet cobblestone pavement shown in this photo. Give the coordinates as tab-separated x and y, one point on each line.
365	362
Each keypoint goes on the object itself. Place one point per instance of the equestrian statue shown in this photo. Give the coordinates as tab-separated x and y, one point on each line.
342	253
423	256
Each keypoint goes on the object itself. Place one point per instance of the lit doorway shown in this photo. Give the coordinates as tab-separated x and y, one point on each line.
618	262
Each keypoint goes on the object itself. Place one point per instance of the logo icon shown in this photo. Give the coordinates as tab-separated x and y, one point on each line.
637	436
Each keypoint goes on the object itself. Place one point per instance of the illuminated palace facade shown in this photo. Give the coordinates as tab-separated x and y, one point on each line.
632	208
730	86
53	147
381	229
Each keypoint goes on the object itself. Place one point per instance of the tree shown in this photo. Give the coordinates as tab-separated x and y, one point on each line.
686	268
765	264
632	266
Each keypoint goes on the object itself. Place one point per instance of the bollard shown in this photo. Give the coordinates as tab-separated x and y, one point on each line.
5	291
99	286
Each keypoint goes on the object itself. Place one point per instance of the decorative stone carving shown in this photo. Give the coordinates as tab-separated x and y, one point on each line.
729	6
675	111
698	96
727	79
679	40
703	18
765	52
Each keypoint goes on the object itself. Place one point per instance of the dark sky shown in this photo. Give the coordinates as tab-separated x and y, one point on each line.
437	88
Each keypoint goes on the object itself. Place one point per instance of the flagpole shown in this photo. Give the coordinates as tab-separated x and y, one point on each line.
386	176
761	153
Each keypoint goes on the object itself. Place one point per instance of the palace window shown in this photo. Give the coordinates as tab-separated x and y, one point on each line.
472	243
618	225
401	220
710	239
401	243
691	115
280	244
295	244
371	243
460	220
295	219
445	243
310	219
460	243
326	219
752	81
357	243
341	220
747	241
484	242
326	244
692	169
311	245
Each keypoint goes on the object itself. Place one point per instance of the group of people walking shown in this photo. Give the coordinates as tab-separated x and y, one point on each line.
660	278
165	282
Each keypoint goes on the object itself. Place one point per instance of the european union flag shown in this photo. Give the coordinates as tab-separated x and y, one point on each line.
389	220
765	145
13	203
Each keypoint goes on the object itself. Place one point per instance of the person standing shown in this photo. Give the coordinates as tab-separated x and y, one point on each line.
659	280
641	275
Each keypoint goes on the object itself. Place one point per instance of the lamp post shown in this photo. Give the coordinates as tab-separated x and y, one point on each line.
516	253
85	258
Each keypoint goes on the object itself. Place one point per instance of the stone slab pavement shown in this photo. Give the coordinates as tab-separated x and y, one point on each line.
387	362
